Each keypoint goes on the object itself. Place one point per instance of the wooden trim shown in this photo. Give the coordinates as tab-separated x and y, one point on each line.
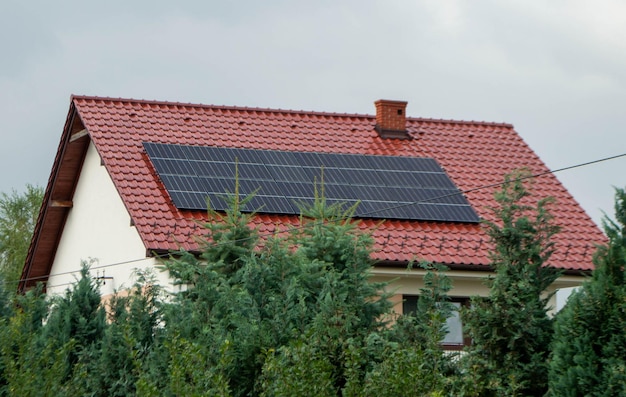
61	204
57	201
78	135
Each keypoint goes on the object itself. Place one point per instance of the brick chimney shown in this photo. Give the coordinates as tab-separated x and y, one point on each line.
391	119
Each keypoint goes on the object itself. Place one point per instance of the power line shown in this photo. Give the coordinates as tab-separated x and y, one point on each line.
269	234
90	268
496	184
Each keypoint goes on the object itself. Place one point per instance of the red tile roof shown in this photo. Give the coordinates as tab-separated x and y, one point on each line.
474	154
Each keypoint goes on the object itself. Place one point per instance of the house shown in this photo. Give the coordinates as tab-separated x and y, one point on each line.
120	190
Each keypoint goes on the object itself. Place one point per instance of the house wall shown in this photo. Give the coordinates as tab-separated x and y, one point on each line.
98	229
465	284
409	282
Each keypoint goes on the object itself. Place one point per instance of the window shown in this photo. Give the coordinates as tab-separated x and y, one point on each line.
455	327
454	339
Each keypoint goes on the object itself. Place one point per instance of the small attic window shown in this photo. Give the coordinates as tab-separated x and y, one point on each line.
399	112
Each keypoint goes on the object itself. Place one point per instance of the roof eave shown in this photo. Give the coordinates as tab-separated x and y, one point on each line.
57	201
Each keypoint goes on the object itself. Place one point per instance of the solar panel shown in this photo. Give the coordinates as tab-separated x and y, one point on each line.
385	187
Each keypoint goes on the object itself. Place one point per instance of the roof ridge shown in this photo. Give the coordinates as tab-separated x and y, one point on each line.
225	107
467	122
279	110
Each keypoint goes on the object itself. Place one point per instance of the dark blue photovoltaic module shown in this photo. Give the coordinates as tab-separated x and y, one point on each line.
386	187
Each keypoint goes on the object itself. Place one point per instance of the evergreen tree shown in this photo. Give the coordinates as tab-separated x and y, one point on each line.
414	363
330	237
510	330
306	288
297	370
113	367
215	308
347	310
589	352
426	328
77	318
290	314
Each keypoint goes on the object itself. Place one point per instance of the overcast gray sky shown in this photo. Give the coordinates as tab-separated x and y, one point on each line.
554	69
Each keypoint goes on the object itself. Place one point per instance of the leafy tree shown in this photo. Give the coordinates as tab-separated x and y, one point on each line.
29	366
5	301
18	215
510	330
590	332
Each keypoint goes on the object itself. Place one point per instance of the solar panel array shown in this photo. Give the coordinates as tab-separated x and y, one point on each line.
387	187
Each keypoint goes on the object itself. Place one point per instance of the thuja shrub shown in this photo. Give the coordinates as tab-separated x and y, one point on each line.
510	329
589	347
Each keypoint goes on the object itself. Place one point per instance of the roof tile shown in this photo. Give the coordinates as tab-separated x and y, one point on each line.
474	154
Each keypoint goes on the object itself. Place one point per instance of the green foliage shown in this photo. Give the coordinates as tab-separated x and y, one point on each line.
31	366
305	292
296	314
330	237
216	306
78	316
404	372
426	328
189	373
349	309
510	330
299	369
5	301
65	346
18	215
590	332
414	362
112	367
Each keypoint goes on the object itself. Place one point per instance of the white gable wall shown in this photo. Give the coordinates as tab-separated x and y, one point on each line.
99	228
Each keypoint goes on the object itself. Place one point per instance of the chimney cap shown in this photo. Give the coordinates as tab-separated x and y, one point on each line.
391	102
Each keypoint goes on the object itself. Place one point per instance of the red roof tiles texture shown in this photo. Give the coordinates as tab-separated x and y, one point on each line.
474	154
